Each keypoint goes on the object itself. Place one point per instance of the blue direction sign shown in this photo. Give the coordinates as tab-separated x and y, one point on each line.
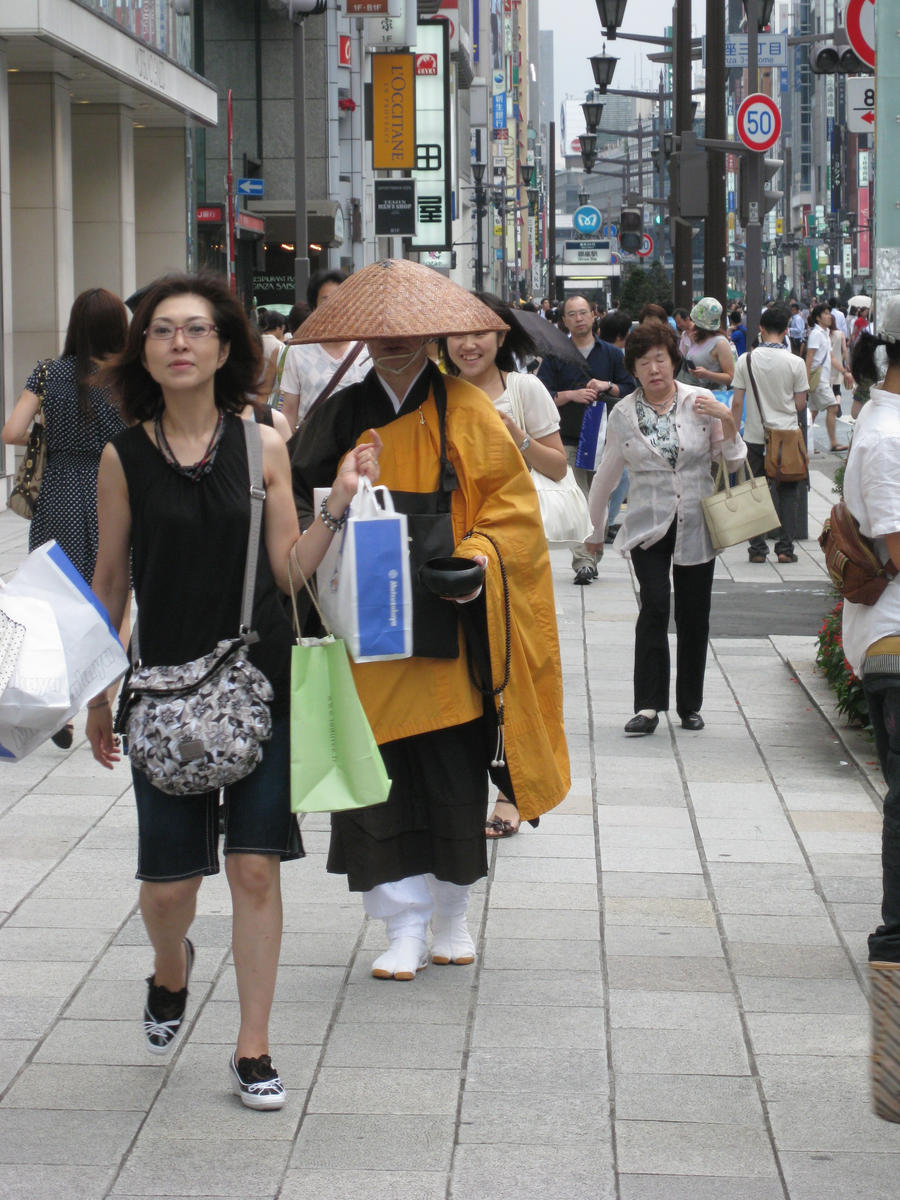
251	187
587	219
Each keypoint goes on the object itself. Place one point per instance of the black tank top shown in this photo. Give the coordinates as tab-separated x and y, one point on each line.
188	546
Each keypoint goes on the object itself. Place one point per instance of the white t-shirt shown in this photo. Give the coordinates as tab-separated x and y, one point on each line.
872	493
819	341
541	415
307	369
778	374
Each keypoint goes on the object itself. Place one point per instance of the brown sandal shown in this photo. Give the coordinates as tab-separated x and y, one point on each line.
498	827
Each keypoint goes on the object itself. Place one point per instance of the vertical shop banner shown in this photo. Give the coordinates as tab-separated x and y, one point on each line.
433	138
393	112
864	239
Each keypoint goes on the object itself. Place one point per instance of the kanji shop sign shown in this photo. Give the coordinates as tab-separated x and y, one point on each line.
432	171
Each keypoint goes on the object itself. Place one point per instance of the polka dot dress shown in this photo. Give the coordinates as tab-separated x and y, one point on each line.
67	505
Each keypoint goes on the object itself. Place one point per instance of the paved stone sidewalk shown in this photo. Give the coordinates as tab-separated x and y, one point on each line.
668	1001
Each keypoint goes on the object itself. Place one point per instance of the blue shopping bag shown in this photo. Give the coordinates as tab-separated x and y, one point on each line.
592	438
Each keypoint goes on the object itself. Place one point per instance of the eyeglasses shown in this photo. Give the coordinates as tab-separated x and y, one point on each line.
164	331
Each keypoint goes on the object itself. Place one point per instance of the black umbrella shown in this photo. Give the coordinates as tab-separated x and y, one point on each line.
548	338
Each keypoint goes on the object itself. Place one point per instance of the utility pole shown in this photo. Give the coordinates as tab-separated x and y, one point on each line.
551	204
715	226
683	274
301	234
887	177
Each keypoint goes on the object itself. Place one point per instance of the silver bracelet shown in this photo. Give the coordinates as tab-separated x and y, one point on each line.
332	524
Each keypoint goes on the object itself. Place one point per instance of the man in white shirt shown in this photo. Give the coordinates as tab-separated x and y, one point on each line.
782	386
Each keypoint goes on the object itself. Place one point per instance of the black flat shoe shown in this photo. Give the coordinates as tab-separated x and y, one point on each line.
585	575
64	737
640	726
692	721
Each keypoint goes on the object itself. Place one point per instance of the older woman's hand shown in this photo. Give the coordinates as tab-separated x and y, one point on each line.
709	406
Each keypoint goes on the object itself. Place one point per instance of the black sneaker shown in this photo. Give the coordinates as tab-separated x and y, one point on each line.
164	1010
257	1082
585	575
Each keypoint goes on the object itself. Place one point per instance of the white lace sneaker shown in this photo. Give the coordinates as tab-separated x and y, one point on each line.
257	1082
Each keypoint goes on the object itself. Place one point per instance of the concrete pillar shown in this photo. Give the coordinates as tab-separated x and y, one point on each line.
40	132
887	177
159	203
103	197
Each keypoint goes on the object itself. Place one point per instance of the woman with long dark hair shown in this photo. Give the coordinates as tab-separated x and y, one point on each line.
174	509
79	419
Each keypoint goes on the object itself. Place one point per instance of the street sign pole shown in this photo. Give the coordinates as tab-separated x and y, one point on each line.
753	232
682	258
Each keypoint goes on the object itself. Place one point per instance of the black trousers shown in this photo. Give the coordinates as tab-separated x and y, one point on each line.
785	497
883	699
693	588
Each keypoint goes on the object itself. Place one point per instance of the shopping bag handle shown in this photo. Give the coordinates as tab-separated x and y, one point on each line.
742	474
309	593
366	499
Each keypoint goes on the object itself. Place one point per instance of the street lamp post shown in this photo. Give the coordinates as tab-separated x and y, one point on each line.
480	213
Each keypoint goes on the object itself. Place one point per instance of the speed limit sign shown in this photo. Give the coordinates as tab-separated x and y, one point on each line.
759	122
646	246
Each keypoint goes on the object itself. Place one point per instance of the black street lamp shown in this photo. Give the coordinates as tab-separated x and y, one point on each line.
593	111
612	15
583	198
526	170
603	66
588	143
588	158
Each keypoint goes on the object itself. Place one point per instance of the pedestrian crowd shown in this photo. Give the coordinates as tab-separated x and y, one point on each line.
496	430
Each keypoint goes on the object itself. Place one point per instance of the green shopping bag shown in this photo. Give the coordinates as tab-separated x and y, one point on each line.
335	760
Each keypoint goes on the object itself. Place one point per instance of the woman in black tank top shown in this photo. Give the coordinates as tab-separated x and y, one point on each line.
174	512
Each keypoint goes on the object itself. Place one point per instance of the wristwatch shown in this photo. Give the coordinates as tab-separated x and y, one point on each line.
525	443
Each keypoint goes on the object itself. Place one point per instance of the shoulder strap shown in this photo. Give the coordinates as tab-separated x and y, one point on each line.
257	500
754	388
448	481
336	378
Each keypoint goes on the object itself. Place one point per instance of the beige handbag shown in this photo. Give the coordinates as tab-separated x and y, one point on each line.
736	514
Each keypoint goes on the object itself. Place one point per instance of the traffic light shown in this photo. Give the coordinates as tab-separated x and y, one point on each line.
689	184
631	229
769	197
835	56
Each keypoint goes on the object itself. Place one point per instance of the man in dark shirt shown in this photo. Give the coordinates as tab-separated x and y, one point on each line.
603	377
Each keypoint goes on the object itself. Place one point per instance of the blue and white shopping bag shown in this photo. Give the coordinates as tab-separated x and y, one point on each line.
364	579
592	438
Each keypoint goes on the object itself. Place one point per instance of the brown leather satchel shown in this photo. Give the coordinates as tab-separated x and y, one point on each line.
853	565
787	460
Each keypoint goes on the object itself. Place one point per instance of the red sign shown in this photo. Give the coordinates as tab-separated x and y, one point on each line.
426	64
210	214
759	122
860	22
345	50
501	135
251	223
364	8
646	246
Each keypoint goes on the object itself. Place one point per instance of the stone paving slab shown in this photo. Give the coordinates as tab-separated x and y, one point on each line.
668	1002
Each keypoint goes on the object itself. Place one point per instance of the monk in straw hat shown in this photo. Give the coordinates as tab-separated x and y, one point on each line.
483	690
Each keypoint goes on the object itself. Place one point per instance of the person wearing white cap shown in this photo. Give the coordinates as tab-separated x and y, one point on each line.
482	691
709	358
871	635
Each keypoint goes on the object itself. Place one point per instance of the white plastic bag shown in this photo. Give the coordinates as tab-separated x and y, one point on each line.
364	580
93	655
35	702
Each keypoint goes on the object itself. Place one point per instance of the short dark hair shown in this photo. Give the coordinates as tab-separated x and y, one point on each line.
613	326
573	296
653	311
316	280
646	338
794	304
775	319
815	312
516	343
736	316
140	396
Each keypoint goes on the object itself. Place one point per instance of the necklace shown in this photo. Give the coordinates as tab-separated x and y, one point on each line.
194	471
662	408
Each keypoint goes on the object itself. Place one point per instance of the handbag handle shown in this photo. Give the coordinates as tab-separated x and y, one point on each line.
722	477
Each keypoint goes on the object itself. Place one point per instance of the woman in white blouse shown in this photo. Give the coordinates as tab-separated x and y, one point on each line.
668	435
488	360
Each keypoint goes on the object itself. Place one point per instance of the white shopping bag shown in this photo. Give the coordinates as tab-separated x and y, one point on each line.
94	657
364	581
35	701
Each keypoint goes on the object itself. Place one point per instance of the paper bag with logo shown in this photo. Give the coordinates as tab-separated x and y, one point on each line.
364	579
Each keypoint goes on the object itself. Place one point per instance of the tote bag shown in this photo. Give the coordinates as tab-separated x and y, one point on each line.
335	761
736	514
564	510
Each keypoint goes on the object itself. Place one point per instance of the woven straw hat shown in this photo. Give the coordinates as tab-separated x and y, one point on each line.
397	298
